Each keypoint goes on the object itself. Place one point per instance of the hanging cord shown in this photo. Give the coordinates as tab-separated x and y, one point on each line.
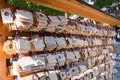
33	54
36	76
16	34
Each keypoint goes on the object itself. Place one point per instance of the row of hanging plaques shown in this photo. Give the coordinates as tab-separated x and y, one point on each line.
65	57
50	43
47	60
62	62
76	72
16	19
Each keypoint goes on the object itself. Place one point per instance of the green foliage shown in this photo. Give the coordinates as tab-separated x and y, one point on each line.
104	3
25	4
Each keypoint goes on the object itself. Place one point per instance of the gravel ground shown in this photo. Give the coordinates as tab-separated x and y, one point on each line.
117	59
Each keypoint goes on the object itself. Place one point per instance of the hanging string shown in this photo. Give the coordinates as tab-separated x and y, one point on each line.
36	75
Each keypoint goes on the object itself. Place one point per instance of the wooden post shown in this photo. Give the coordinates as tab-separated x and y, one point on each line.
3	33
66	14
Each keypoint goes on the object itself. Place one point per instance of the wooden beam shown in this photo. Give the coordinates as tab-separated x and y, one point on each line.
66	14
3	33
78	8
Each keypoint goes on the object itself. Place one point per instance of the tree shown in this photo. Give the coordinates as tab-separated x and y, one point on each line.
25	4
104	3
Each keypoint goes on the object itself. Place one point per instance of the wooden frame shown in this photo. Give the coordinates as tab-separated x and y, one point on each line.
71	6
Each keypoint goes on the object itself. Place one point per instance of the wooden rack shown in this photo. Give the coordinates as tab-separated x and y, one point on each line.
78	8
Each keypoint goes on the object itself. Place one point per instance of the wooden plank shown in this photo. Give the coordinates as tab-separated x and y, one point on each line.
78	8
3	56
3	33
